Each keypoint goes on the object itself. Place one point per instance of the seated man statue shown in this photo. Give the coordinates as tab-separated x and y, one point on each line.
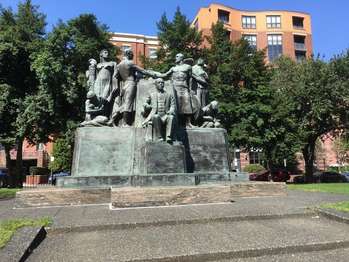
162	107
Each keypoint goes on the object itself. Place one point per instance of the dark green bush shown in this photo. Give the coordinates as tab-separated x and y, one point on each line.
253	168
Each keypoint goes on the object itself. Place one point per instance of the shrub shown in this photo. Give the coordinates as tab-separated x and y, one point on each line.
253	168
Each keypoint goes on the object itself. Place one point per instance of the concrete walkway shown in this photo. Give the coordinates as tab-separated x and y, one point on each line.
269	228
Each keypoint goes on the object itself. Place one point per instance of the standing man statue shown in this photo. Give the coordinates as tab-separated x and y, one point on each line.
162	106
127	73
181	75
200	82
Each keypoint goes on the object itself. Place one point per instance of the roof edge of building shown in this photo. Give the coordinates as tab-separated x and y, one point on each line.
257	11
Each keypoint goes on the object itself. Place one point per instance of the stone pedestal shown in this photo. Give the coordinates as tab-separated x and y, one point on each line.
105	156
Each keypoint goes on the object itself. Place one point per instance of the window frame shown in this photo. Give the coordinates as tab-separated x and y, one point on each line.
273	21
248	25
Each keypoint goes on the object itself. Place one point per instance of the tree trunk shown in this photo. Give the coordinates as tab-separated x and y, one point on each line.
309	158
19	163
9	166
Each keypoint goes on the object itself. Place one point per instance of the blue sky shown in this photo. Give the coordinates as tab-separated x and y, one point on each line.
329	18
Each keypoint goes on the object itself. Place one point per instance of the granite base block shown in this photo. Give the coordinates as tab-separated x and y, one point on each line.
61	197
257	189
166	196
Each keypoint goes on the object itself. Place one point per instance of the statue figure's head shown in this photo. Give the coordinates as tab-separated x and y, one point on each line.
214	105
103	54
90	95
179	58
200	62
129	54
160	84
92	61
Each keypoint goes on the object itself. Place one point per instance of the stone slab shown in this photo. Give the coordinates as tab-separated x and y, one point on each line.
169	179
162	157
165	196
61	197
255	189
206	149
103	150
204	193
22	243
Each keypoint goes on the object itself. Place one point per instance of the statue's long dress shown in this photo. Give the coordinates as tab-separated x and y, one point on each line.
104	82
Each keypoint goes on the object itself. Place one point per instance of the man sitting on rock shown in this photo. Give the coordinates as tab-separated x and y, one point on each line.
162	107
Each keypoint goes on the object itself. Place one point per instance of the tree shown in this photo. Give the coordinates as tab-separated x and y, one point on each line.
317	101
60	66
24	104
240	82
176	36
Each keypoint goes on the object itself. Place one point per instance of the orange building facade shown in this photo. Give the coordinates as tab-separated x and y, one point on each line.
278	32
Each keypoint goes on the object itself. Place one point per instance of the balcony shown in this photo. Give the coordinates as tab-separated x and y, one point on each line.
300	46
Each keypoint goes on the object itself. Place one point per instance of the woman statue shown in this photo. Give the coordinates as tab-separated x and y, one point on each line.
106	82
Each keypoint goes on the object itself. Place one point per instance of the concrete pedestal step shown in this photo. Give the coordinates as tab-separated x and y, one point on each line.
233	240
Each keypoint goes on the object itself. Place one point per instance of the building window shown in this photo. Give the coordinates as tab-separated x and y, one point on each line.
273	21
298	22
274	47
153	53
255	157
300	55
251	39
39	147
223	16
249	22
299	42
124	48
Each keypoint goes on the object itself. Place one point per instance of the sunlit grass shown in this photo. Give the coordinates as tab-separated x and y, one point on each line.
337	188
9	227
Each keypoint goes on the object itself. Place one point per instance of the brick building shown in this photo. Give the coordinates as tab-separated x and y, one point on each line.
141	45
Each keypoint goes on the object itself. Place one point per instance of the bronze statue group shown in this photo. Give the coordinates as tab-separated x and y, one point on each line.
113	88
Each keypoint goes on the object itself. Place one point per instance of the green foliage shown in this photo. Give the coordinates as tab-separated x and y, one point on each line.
176	36
38	171
336	188
253	168
340	206
63	152
7	193
316	102
24	106
62	62
9	227
250	111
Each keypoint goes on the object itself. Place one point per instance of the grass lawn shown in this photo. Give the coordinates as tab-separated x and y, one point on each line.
9	227
340	206
337	188
6	193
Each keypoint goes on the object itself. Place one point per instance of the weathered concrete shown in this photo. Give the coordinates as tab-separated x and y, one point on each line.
197	242
253	189
22	243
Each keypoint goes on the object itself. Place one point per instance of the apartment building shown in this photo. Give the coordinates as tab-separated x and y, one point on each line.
278	32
